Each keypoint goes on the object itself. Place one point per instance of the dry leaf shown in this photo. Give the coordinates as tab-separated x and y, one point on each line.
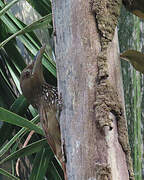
136	58
135	6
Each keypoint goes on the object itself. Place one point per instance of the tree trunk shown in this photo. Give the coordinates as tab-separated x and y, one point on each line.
133	82
92	121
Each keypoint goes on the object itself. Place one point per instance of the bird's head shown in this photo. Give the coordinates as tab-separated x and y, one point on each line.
32	76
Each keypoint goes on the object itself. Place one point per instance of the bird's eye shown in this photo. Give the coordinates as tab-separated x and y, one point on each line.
27	74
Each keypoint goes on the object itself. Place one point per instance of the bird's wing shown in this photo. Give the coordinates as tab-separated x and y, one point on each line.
44	119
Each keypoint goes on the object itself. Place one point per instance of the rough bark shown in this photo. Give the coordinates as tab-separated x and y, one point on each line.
92	120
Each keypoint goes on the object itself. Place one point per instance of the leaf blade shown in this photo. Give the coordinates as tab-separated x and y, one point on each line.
15	119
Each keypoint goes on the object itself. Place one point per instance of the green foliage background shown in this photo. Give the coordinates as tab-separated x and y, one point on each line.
17	117
131	36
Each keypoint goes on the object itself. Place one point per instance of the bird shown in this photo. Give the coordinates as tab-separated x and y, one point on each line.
44	97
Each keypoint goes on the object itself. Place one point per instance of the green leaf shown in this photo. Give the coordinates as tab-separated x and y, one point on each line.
7	94
32	44
44	21
41	162
6	130
43	7
15	138
14	76
52	172
7	6
15	119
20	105
29	149
5	173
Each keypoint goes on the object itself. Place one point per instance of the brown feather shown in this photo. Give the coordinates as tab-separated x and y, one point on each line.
45	99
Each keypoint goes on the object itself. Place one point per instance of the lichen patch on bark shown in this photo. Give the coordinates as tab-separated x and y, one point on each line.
103	172
106	13
123	139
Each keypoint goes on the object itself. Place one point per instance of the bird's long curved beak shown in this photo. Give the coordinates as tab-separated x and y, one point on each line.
38	60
